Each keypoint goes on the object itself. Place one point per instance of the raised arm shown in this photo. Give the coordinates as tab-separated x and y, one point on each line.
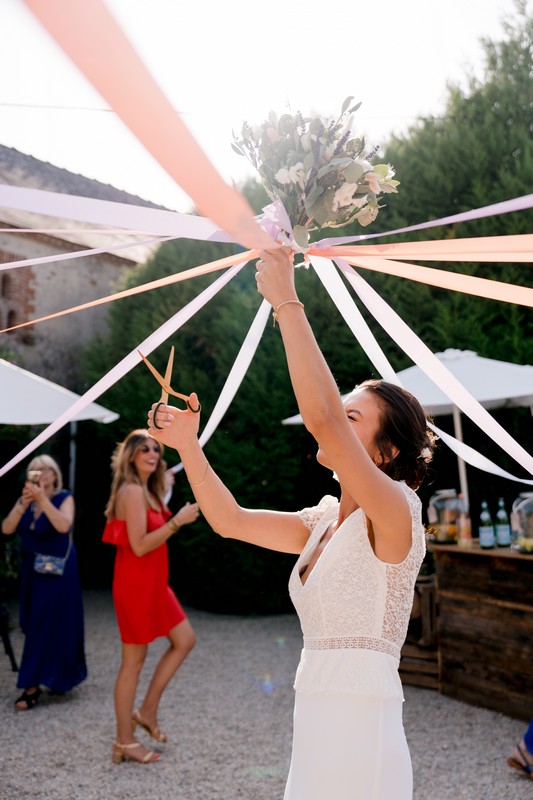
284	532
323	412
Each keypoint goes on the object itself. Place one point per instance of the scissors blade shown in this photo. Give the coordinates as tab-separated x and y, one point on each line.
164	382
168	376
161	381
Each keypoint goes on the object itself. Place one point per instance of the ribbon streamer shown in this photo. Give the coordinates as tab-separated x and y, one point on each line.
33	262
90	36
126	364
236	375
435	369
517	247
495	209
105	212
471	456
194	272
352	316
346	305
456	281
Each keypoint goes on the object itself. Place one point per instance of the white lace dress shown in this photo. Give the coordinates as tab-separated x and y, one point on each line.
348	738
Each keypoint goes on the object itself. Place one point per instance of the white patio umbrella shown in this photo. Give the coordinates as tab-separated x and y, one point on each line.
28	399
493	383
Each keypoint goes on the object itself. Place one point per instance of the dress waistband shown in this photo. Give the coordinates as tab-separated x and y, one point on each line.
353	643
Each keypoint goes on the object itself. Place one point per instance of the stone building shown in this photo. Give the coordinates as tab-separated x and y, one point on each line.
51	349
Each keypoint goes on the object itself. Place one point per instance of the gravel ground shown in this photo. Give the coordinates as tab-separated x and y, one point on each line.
228	715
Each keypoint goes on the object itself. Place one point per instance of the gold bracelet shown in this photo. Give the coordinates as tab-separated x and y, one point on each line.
285	302
195	485
173	525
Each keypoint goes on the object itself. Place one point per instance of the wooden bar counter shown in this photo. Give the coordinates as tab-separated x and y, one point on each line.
485	626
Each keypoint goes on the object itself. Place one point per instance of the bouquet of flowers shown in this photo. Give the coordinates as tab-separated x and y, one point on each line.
315	171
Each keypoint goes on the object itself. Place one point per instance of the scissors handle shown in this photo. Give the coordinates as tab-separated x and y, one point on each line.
165	385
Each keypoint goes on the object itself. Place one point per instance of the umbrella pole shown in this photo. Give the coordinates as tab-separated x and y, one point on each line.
72	454
460	463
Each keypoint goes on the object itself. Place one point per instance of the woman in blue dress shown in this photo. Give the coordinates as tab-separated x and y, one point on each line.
51	606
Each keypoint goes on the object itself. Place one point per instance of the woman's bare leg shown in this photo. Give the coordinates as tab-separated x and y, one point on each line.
133	656
182	640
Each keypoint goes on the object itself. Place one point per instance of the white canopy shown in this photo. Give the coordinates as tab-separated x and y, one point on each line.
493	383
27	399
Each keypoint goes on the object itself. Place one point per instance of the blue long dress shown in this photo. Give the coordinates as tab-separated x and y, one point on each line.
51	609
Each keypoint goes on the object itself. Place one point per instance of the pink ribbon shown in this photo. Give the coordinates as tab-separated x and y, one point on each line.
90	36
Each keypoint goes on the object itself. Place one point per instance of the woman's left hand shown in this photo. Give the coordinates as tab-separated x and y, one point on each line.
275	276
175	428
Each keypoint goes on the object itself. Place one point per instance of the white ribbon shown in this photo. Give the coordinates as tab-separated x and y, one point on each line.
236	375
32	262
346	305
128	362
105	212
175	225
433	367
471	456
353	317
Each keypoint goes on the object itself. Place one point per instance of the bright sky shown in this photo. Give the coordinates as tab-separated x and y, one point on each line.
222	63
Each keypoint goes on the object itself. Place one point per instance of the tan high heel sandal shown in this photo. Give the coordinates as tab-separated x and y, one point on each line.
155	733
119	755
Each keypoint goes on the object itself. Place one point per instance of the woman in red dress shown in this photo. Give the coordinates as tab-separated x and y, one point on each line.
139	524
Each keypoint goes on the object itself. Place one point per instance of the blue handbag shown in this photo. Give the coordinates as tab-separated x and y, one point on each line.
52	565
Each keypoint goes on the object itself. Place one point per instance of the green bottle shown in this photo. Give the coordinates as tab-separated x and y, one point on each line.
487	538
503	527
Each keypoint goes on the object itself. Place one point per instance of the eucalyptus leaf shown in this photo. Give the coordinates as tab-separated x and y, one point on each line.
339	161
237	149
346	104
301	235
313	196
316	126
355	108
321	211
355	147
353	172
308	161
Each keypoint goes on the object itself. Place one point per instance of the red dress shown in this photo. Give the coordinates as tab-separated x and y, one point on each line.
145	605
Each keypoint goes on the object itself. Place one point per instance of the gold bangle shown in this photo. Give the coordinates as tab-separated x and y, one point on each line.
194	485
285	302
173	525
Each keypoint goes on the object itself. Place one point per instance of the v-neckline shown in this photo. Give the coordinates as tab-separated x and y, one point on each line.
304	569
317	544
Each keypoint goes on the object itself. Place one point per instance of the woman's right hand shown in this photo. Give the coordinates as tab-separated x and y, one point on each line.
31	493
175	428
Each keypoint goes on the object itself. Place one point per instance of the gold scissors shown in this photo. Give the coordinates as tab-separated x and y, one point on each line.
166	387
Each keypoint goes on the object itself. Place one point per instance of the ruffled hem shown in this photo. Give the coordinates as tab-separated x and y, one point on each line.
116	532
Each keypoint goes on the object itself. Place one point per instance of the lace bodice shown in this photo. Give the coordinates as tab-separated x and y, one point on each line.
353	601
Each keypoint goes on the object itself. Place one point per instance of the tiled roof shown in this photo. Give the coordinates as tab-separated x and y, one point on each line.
21	169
